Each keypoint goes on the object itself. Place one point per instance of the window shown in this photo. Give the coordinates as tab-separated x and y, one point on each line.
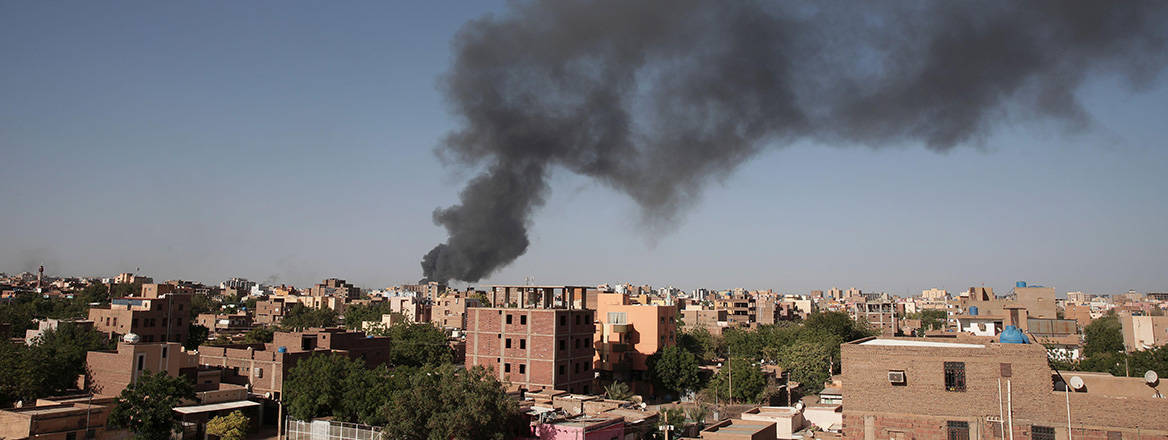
618	318
955	376
523	319
508	344
561	372
180	307
508	318
71	436
522	368
506	368
563	320
164	351
1007	370
576	368
958	430
577	319
575	342
522	344
1114	435
563	344
1042	433
91	433
141	361
259	372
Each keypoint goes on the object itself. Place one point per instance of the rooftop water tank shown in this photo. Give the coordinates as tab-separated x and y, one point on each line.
1013	335
282	349
973	310
1020	284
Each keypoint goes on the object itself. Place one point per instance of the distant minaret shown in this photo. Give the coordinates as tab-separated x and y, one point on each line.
40	276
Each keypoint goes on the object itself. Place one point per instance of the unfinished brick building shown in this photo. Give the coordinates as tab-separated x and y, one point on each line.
533	348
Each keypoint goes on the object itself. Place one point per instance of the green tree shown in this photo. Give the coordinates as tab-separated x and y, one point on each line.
700	342
417	345
744	376
357	313
59	355
670	423
447	402
18	381
1104	335
259	335
319	386
300	318
618	391
196	336
229	427
807	363
145	406
675	370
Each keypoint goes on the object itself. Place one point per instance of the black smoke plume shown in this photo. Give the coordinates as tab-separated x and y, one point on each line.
656	98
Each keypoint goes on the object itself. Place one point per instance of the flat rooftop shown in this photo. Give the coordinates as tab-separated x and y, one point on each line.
912	343
739	426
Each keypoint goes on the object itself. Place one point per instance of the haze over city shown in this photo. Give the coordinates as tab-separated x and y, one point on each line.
289	143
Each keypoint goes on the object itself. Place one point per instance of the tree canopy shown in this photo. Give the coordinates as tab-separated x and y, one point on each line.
145	406
1104	335
300	318
740	379
675	370
450	402
229	427
50	365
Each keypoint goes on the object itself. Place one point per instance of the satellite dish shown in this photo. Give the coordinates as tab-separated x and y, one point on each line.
1077	382
799	406
131	338
1151	378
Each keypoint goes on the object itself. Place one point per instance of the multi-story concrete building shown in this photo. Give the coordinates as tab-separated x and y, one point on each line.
881	315
1038	300
533	348
263	366
524	296
335	287
976	388
272	310
449	309
225	323
740	308
935	294
713	320
428	290
156	316
627	334
412	307
1143	332
110	372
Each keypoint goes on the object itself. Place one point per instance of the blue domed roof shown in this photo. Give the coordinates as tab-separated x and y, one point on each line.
1013	335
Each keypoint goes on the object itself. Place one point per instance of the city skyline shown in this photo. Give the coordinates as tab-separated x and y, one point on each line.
293	144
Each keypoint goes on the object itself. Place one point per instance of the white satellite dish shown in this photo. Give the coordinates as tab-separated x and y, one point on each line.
1077	382
799	406
1151	378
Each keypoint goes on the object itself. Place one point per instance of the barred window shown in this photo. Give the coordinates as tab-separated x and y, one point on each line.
958	430
955	376
1042	433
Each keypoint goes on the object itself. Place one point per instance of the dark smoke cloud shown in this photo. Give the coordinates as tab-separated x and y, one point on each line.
656	98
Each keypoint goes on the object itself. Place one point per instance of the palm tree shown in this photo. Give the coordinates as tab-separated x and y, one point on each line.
618	391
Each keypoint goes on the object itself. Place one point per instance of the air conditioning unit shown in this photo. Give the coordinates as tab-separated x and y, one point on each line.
896	377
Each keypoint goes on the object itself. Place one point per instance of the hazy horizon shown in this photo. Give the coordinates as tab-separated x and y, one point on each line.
290	142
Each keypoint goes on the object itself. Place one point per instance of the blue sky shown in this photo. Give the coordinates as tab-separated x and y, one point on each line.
292	141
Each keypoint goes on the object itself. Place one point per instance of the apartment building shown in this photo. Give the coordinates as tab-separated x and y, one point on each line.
225	323
627	334
272	310
412	307
740	308
449	309
110	372
335	287
263	366
1143	332
533	348
979	389
156	316
881	315
713	320
1038	300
